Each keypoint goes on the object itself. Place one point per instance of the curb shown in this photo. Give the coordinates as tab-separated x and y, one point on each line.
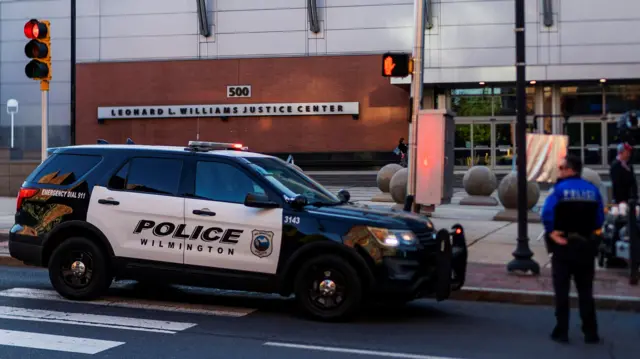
491	295
525	297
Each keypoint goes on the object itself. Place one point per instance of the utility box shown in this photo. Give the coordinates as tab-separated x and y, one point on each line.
435	157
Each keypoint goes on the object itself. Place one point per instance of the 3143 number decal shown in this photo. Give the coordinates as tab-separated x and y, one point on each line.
291	220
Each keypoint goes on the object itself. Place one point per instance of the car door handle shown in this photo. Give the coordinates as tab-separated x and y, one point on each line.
108	201
201	212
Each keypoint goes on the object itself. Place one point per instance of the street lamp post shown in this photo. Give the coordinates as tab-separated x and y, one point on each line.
12	109
523	256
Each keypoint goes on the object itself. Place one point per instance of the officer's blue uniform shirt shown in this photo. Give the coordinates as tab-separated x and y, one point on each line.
573	188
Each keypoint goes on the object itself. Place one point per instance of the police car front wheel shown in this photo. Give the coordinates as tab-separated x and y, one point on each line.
328	288
78	269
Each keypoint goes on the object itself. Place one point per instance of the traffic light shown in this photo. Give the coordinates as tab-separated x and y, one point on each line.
396	65
38	49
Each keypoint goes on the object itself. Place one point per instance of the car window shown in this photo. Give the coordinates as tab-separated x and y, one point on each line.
65	169
222	182
149	175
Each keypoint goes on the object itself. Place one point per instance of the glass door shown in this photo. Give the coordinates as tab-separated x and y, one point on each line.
504	147
462	145
593	142
482	144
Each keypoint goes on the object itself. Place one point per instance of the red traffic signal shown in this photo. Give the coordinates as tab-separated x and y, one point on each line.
34	29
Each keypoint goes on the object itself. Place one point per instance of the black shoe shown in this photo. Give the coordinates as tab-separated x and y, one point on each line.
591	338
560	336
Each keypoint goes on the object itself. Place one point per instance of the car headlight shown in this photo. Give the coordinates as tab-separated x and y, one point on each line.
393	237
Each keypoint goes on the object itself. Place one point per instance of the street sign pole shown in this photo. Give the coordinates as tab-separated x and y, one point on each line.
416	97
12	130
44	88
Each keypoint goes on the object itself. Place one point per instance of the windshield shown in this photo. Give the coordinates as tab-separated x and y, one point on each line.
291	181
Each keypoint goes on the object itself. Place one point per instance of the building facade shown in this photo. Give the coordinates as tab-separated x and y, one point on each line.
583	60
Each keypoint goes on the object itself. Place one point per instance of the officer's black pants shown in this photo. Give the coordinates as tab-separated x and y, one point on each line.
582	270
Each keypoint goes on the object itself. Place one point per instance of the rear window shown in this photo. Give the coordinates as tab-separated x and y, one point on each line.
149	175
65	169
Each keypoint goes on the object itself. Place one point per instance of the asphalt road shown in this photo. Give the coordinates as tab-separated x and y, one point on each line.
194	323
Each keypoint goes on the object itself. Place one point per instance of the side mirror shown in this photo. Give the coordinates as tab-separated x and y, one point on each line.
257	200
344	195
299	201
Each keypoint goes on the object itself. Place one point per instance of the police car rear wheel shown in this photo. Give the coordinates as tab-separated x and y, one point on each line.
78	269
328	288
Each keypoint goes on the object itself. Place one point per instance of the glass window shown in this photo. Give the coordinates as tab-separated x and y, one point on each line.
505	103
154	175
119	180
504	144
612	134
622	98
223	183
292	182
65	169
471	105
584	100
463	136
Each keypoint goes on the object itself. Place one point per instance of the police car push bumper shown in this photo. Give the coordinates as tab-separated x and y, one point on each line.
435	269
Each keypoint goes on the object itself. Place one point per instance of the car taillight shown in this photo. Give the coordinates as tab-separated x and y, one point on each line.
25	193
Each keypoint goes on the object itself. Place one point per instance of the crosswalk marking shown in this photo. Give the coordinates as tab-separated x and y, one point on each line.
42	294
93	320
55	342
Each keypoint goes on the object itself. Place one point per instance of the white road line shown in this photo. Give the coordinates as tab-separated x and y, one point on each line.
42	294
55	342
353	351
93	320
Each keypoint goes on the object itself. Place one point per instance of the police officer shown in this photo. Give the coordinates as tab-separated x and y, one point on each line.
572	256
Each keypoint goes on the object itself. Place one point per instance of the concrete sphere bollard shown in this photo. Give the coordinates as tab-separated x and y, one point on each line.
383	179
479	181
398	185
508	192
592	176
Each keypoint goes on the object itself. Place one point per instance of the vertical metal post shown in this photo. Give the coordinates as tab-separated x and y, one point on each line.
416	96
44	87
522	261
12	130
72	122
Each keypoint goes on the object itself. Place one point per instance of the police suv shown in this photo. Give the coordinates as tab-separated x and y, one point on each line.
216	215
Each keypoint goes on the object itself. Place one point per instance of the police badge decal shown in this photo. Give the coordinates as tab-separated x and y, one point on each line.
261	243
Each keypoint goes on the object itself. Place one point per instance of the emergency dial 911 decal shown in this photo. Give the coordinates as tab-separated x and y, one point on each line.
148	228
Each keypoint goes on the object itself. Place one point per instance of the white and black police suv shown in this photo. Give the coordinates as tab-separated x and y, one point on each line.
216	215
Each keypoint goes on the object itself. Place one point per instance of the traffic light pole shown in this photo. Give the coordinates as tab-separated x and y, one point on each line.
416	96
44	88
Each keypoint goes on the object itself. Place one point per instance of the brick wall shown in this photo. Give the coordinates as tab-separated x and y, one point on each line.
383	107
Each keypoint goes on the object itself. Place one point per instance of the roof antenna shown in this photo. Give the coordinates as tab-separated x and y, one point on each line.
102	142
290	159
130	141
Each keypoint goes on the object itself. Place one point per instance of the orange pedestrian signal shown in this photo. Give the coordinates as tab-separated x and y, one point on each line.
396	65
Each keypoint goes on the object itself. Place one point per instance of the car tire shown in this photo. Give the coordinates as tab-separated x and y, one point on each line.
332	274
92	276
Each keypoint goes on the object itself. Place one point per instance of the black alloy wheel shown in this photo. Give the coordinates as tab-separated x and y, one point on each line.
78	269
328	288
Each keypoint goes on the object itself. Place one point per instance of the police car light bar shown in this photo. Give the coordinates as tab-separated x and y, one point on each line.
209	146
